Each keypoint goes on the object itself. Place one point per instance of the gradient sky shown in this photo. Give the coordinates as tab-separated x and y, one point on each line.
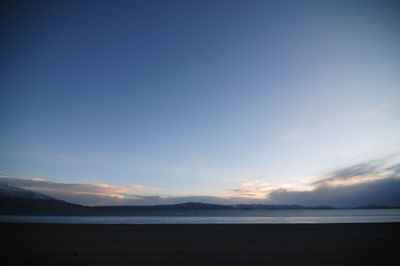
196	97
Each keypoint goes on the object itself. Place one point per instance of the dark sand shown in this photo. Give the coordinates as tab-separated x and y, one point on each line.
246	244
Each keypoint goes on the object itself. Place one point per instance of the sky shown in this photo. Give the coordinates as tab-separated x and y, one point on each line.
220	101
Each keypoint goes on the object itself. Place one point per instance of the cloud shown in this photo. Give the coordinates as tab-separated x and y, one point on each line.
254	188
361	172
37	179
104	194
87	194
380	192
371	182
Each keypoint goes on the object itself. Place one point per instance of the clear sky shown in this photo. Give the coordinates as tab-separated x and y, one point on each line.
196	97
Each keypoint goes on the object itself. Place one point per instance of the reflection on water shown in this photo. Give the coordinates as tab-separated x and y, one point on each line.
224	217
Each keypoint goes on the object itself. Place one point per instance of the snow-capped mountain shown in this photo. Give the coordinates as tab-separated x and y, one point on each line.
16	192
15	199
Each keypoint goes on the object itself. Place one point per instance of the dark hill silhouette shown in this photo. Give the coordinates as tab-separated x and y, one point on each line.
15	198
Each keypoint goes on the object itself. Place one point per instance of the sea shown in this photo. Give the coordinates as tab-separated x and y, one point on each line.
218	217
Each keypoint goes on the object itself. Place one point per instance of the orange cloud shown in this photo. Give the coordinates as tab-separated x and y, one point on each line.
51	188
254	188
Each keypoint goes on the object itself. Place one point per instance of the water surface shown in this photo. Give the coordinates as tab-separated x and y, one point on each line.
219	217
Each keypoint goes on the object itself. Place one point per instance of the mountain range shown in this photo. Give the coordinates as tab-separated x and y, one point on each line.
18	200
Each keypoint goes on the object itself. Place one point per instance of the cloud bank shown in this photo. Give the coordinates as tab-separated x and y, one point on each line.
86	194
375	182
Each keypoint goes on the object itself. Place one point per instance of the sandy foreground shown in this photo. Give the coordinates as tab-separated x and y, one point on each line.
244	244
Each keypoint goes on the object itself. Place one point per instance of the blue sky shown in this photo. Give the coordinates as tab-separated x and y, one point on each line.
196	97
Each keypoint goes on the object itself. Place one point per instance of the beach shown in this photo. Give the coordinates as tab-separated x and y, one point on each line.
201	244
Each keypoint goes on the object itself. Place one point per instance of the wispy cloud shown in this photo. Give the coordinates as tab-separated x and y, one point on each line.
362	172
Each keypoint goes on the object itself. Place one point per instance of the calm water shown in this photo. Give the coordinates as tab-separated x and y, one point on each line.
222	217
